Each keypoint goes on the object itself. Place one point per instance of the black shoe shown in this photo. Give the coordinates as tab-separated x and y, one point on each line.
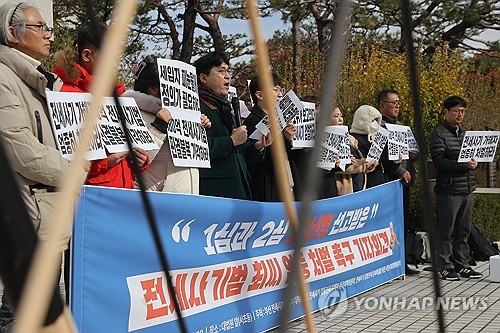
470	273
449	275
411	271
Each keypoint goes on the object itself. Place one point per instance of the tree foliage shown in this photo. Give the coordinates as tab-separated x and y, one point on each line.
182	29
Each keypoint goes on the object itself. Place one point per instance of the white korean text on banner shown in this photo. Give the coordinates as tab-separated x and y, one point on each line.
480	145
397	143
179	94
378	145
68	112
287	108
305	121
111	130
229	265
335	145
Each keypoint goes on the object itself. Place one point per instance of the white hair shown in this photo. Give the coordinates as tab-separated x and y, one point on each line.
12	14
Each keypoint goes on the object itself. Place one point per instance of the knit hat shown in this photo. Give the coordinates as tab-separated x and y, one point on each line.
363	117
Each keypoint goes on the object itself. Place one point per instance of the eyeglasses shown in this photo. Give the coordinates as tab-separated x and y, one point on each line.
225	71
458	110
44	28
395	103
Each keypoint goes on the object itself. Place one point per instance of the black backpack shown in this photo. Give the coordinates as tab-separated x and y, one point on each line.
481	244
414	248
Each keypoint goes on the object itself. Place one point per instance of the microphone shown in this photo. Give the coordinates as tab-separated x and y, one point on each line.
235	103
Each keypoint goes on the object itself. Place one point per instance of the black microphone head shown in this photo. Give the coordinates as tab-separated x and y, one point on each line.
235	104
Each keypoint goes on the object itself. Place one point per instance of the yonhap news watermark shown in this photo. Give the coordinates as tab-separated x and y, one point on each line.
334	303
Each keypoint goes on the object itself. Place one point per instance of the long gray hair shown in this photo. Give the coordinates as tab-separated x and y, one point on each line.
12	15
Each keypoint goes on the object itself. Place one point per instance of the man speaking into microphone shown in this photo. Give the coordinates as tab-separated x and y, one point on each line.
228	141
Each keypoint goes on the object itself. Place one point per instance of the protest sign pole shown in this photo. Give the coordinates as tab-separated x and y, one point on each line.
43	272
415	95
278	150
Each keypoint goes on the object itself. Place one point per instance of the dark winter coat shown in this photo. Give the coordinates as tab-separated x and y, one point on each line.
228	176
452	177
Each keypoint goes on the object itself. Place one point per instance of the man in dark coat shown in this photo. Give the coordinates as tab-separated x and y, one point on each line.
455	183
263	182
229	145
389	103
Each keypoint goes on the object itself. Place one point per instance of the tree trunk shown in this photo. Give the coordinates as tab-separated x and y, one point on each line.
188	31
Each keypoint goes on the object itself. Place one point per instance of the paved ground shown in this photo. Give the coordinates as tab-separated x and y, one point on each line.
408	305
413	307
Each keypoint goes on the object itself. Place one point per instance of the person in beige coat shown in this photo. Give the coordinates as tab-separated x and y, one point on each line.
24	120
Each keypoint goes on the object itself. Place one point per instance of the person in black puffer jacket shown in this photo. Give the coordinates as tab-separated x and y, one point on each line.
455	183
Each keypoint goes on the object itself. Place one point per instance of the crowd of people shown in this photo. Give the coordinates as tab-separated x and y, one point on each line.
241	168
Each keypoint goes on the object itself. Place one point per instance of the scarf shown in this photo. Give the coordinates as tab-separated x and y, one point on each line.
223	105
49	76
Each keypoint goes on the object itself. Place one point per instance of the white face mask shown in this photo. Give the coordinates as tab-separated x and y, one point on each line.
374	126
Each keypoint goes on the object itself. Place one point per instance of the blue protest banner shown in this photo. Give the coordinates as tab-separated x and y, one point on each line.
229	259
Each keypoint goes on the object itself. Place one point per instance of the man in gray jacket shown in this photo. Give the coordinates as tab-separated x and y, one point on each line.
455	183
24	120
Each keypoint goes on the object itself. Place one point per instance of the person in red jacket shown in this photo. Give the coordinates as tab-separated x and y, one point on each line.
76	70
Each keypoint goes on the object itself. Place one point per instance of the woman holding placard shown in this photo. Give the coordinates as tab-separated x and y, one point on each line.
162	174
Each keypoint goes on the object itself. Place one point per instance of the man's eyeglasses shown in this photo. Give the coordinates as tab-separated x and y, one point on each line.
395	103
458	110
225	71
44	28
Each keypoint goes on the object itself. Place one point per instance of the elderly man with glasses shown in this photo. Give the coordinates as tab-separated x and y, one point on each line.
25	128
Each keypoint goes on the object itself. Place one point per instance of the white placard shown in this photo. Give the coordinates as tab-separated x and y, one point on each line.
397	143
111	130
244	112
481	145
334	145
68	112
412	143
188	140
232	93
179	94
305	121
287	108
178	85
378	145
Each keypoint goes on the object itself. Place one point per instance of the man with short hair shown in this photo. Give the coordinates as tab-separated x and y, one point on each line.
389	104
77	73
455	183
263	181
229	145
